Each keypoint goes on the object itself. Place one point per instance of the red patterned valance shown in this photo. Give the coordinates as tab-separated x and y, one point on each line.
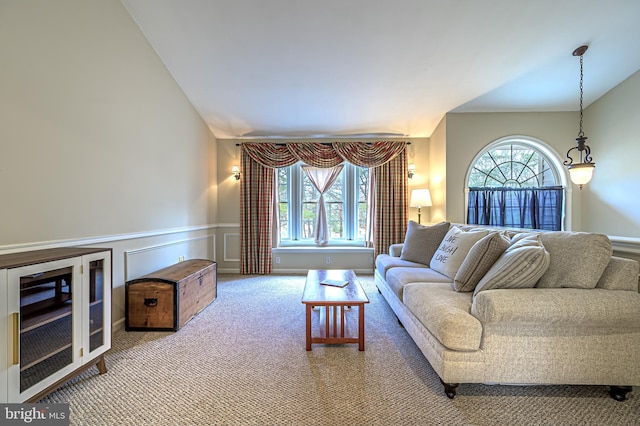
369	155
322	155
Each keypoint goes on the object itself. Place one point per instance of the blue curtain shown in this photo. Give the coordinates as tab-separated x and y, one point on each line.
531	208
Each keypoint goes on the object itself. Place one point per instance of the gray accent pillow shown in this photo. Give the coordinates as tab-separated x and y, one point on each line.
420	242
521	266
578	259
479	260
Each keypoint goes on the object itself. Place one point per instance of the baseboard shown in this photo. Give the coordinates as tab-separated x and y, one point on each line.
118	325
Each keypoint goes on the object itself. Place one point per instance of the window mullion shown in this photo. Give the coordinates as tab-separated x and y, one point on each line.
350	191
295	204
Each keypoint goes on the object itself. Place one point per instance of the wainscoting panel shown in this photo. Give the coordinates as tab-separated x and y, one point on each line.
231	247
145	260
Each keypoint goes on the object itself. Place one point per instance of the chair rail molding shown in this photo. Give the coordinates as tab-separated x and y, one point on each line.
37	245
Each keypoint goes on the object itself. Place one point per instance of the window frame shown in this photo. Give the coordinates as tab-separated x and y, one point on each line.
295	177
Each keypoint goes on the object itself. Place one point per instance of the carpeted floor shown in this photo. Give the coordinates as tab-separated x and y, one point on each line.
242	360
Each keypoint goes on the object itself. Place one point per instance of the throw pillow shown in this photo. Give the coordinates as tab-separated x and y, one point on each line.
578	259
421	241
521	266
453	250
481	257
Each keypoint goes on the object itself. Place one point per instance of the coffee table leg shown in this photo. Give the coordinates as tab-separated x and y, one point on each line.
309	308
361	327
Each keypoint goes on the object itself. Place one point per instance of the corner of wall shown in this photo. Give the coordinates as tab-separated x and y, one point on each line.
438	172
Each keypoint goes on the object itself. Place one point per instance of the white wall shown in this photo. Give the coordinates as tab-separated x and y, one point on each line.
98	144
438	172
97	138
418	154
612	125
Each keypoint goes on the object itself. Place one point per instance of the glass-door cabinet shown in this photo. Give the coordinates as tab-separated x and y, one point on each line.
59	318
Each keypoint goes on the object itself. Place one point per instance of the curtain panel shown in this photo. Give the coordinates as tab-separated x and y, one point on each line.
390	204
322	179
256	216
530	208
259	160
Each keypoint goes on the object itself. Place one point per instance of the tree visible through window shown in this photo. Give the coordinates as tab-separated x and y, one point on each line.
345	204
514	184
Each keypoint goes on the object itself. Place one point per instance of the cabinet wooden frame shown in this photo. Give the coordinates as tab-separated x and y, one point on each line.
5	324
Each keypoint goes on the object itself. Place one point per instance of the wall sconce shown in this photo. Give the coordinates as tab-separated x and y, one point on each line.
420	198
235	170
412	170
582	172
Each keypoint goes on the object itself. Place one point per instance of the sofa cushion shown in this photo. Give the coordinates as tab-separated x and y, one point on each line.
578	259
521	265
397	278
445	313
479	259
395	249
560	307
453	250
620	274
421	241
384	263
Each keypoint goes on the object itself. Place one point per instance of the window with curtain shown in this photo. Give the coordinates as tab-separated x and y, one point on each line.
345	206
515	184
386	213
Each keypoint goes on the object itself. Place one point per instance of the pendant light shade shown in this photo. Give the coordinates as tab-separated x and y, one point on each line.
581	173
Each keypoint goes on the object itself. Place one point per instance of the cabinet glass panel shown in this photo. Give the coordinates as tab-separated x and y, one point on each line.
46	332
96	304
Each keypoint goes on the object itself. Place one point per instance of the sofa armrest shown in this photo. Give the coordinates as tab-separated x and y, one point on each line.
620	274
395	250
558	307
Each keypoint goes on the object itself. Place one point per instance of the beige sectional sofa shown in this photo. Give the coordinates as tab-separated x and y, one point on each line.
506	307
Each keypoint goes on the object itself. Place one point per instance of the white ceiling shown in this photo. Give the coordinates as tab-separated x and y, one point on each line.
323	68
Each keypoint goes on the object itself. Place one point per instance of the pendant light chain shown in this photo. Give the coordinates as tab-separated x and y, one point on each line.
581	132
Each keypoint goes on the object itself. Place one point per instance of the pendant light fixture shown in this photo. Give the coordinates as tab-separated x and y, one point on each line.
582	172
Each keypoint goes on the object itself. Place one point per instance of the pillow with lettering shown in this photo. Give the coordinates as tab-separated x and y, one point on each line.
454	249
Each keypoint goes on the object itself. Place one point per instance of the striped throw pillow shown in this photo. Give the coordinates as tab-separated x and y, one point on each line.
479	260
521	266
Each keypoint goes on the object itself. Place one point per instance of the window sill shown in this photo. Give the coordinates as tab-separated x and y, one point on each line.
329	249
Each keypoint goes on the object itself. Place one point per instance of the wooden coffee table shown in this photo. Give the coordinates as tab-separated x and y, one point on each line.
333	301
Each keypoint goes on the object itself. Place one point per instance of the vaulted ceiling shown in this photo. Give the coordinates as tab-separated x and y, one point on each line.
328	68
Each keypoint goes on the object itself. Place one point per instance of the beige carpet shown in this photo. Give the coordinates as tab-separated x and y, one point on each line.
243	361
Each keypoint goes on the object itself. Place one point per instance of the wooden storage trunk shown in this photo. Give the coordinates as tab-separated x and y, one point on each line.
167	299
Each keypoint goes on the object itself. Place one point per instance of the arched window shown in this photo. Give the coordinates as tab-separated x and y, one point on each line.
516	182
